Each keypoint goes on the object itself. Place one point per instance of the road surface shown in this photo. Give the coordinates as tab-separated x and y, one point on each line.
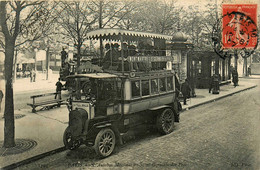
219	135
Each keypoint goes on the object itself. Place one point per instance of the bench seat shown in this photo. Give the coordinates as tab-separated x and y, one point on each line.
44	103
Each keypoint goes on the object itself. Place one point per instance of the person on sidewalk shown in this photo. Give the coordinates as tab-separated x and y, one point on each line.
249	71
31	76
235	77
214	84
58	89
185	90
1	97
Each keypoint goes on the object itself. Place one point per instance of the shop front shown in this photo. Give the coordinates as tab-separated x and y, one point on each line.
202	65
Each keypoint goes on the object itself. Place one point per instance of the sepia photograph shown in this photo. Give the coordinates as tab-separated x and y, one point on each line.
129	84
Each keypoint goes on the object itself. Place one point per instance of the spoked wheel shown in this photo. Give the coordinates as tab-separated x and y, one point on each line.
68	142
105	142
165	122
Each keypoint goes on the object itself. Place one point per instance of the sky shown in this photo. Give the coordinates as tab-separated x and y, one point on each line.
202	3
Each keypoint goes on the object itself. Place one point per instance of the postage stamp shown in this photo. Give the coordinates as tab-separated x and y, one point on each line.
239	26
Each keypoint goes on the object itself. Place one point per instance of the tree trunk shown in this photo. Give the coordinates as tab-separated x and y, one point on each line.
217	65
245	67
9	105
78	57
47	62
235	57
15	66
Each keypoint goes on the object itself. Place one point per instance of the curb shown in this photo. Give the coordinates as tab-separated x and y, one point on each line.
32	159
218	98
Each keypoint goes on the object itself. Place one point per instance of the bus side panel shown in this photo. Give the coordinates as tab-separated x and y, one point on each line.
145	104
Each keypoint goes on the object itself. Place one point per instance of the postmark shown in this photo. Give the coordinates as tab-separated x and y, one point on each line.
236	30
239	24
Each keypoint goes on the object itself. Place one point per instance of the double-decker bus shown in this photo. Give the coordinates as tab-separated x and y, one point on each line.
132	89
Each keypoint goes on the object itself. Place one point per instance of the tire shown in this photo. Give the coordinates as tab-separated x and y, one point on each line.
68	142
165	122
105	142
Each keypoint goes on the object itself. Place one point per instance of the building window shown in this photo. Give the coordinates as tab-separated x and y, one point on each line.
212	67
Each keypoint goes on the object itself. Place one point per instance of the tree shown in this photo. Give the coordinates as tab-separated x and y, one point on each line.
163	21
21	22
193	26
76	20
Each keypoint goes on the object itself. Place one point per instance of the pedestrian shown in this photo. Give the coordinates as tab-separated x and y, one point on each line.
1	97
185	90
177	85
235	77
58	89
214	84
64	56
249	71
31	76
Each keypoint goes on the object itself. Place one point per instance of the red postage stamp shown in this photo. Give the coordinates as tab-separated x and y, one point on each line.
239	26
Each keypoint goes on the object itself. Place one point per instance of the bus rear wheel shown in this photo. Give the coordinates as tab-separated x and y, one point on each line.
165	121
105	142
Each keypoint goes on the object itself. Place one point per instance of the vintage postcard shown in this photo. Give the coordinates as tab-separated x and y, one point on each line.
128	84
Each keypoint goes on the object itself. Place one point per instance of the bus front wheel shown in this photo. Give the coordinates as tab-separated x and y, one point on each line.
105	142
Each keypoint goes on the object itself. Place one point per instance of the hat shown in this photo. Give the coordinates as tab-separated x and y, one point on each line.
107	46
115	45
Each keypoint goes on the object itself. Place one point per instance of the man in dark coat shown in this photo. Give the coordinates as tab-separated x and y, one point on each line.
58	89
185	90
64	56
249	71
214	84
1	97
235	77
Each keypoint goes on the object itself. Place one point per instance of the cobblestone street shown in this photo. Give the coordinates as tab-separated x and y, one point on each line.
220	135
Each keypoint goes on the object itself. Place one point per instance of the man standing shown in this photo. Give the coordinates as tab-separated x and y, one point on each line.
64	56
249	71
185	90
1	97
214	84
235	77
58	89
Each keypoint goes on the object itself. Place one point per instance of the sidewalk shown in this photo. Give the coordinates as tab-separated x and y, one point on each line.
203	96
47	127
22	85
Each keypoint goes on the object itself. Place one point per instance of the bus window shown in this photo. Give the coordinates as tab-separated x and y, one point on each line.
169	84
145	87
135	88
154	86
162	85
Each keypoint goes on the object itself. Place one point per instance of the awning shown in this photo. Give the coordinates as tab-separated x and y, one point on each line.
94	75
115	34
23	60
